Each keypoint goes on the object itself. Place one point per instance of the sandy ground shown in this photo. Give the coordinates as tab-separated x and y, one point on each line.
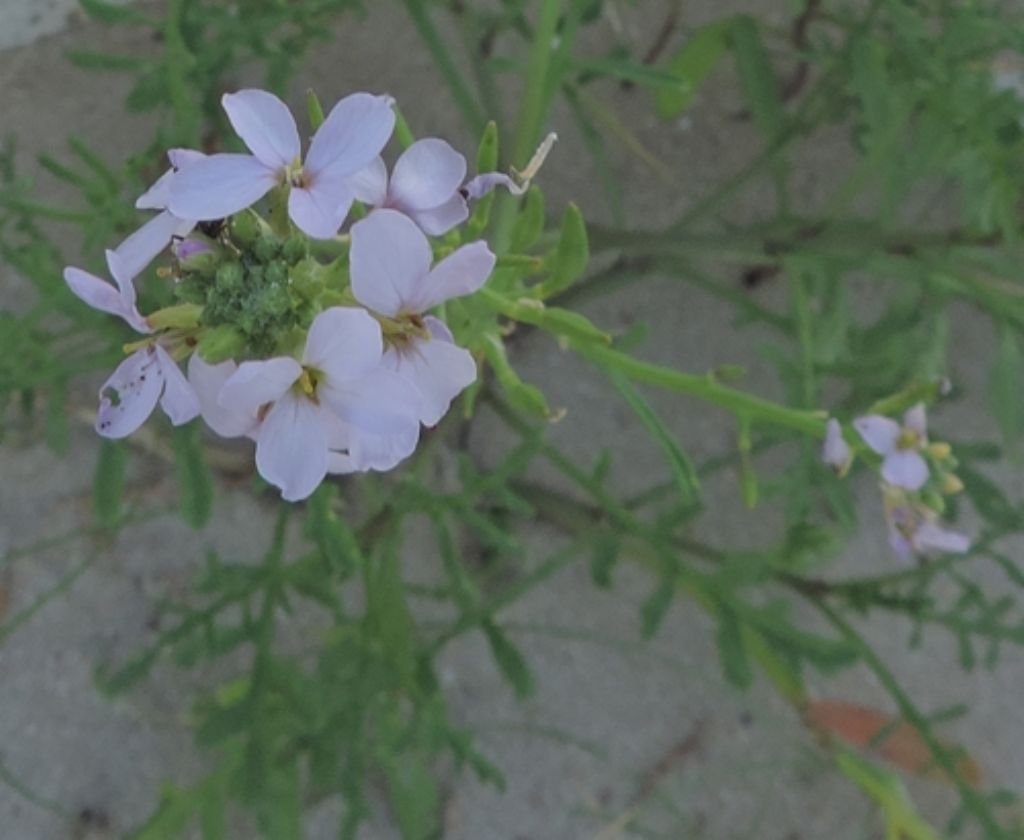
589	752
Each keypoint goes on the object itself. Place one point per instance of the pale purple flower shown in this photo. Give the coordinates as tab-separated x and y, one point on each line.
207	380
147	376
424	185
310	409
143	246
914	531
902	462
390	264
836	451
353	134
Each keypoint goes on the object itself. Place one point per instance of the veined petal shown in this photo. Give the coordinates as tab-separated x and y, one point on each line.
179	400
389	259
265	125
461	273
426	175
355	131
380	452
381	402
217	186
437	221
319	210
97	293
143	246
370	184
916	420
905	468
439	371
129	396
345	343
207	380
880	433
255	384
291	449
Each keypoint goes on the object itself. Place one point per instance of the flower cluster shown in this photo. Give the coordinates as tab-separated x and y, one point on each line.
916	475
317	342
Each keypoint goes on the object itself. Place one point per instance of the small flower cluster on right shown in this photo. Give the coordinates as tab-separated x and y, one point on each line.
917	475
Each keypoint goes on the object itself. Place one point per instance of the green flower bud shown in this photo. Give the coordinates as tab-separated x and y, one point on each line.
230	277
218	344
934	501
276	273
192	289
266	248
296	249
246	227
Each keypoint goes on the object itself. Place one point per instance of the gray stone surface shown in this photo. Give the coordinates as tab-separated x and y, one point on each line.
609	707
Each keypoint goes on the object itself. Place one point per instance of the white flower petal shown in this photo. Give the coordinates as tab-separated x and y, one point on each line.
179	400
255	384
461	273
129	396
437	221
931	537
370	184
439	370
265	125
156	197
207	381
291	449
389	258
880	433
381	402
143	246
426	175
380	452
905	468
916	420
319	210
217	186
345	343
355	131
97	293
836	451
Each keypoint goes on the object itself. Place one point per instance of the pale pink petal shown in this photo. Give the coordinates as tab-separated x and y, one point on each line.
370	184
916	420
932	537
901	546
439	371
381	452
217	186
355	131
319	210
381	402
179	400
439	329
437	221
143	246
97	293
389	259
483	184
905	468
129	396
255	384
207	381
291	448
426	175
180	158
345	343
880	433
458	274
157	196
340	463
265	125
836	451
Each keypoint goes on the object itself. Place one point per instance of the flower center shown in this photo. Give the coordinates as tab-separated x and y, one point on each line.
908	439
307	383
294	175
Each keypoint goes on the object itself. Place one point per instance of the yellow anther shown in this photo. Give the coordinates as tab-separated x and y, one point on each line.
908	439
940	450
307	383
951	484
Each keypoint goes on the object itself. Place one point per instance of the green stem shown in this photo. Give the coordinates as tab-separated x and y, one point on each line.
971	800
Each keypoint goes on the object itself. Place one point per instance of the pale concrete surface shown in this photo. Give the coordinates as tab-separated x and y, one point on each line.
24	21
752	772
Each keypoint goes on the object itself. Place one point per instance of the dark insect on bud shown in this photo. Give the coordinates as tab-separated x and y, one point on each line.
212	228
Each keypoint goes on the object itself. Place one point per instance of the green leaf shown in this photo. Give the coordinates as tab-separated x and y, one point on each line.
521	395
487	151
572	255
108	483
333	537
314	109
529	223
92	60
631	71
1005	383
414	798
757	77
683	471
989	500
510	661
389	618
106	12
731	648
691	65
195	482
604	556
655	608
